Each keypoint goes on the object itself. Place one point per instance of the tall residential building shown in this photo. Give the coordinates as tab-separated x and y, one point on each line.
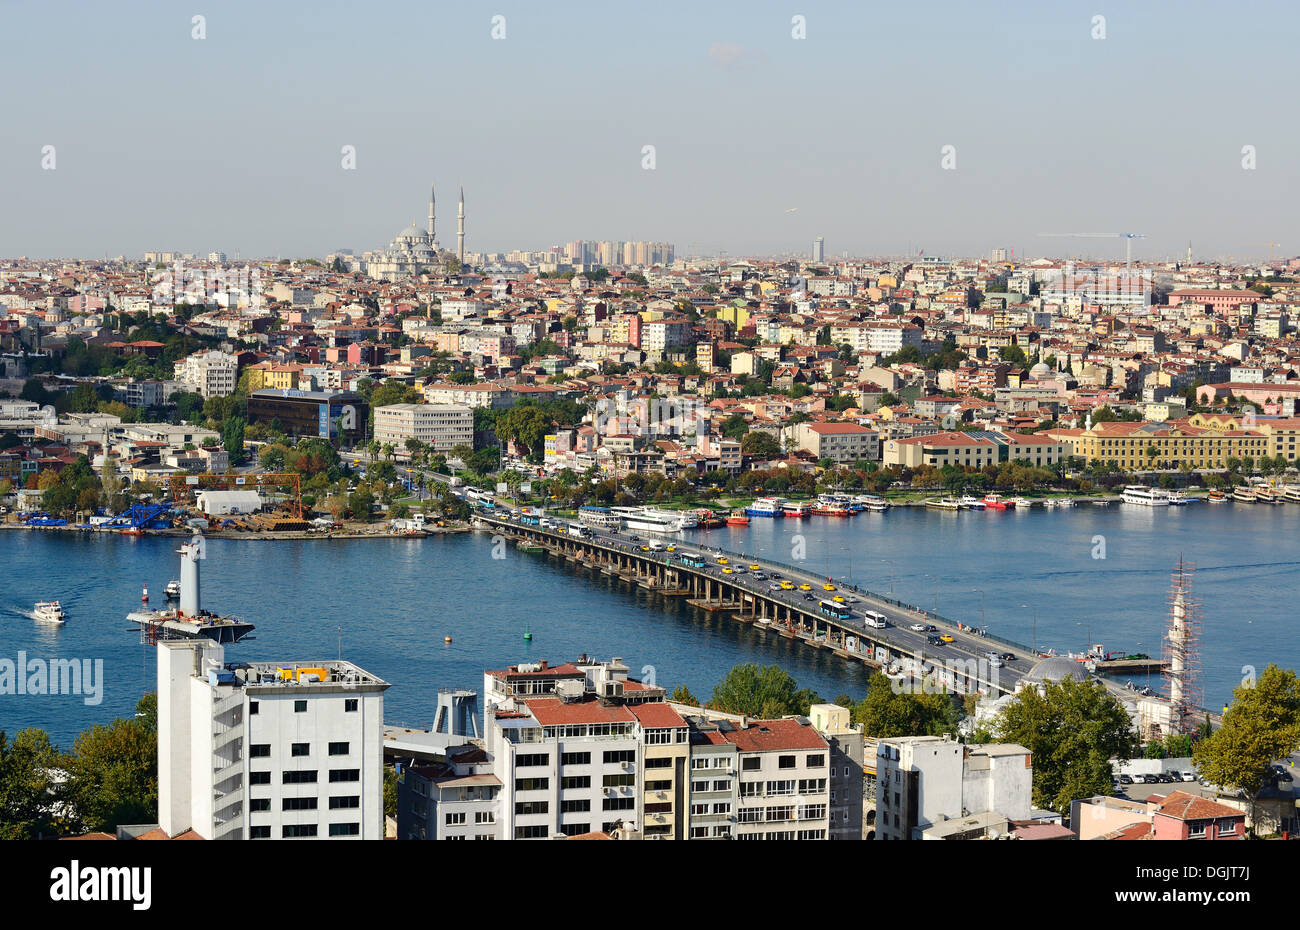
266	750
819	249
209	374
846	742
439	426
927	786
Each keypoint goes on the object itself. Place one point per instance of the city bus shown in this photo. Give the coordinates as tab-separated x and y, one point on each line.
691	559
835	611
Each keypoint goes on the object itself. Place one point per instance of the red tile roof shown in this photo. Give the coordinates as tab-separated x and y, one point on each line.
1184	806
551	712
775	735
653	716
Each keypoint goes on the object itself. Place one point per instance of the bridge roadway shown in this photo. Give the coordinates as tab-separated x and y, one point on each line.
791	613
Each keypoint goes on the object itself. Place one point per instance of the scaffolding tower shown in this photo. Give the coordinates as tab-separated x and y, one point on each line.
1182	652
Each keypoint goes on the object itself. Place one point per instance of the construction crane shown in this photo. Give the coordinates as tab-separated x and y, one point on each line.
1271	245
1128	244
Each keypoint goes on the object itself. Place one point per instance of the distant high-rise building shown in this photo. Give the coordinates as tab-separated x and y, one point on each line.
998	255
819	249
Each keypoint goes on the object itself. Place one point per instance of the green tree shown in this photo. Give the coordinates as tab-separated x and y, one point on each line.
682	695
232	439
760	445
29	793
1074	729
390	792
1261	726
885	713
113	771
765	691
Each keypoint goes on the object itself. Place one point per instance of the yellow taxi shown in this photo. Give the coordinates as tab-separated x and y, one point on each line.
722	560
755	568
645	548
787	586
805	587
838	599
828	587
945	638
727	571
672	548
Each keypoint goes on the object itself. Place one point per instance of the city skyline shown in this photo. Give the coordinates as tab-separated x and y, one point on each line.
762	141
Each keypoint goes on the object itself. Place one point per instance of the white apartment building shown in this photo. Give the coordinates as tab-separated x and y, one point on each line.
885	338
658	335
922	782
784	791
439	426
210	374
267	750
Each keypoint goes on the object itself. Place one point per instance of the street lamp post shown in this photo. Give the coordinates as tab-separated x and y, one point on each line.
1035	610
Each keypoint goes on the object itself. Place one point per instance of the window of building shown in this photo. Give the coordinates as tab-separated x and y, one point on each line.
343	775
300	749
350	705
523	808
455	820
620	755
540	758
345	829
575	781
290	830
259	805
532	784
577	806
259	750
618	804
816	761
298	804
260	833
259	778
345	802
662	762
786	762
537	832
575	758
618	781
252	707
299	707
338	749
485	817
300	778
751	764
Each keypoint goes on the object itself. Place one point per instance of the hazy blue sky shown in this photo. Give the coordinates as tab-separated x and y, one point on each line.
233	142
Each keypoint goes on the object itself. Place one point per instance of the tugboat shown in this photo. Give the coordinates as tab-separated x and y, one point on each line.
995	502
49	612
738	518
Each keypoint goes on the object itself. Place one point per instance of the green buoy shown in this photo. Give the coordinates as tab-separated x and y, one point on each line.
528	636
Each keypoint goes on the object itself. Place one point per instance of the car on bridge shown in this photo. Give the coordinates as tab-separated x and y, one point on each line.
945	638
805	587
786	585
722	560
828	587
755	568
727	571
917	627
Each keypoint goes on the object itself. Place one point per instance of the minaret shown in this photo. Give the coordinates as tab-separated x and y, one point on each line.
460	229
431	213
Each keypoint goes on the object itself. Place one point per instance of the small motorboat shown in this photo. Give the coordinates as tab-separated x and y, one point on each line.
738	517
49	612
173	588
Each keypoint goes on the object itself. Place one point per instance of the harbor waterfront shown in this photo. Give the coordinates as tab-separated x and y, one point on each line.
1084	575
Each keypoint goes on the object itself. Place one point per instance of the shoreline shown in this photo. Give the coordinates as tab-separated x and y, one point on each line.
286	536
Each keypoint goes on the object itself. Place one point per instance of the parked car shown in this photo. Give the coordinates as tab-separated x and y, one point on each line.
1189	776
1126	779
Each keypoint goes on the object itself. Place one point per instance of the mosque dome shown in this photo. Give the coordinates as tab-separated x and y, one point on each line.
1055	668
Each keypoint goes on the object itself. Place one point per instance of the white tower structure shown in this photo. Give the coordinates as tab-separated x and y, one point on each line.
432	214
460	229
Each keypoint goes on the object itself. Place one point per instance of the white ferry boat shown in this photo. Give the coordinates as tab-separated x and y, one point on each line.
1291	493
650	520
1243	494
969	502
49	612
1145	497
600	518
766	507
796	509
943	503
1178	499
873	503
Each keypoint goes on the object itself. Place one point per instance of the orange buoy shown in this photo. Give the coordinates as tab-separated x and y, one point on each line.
144	596
446	639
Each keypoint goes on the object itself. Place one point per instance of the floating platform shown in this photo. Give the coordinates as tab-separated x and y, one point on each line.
171	624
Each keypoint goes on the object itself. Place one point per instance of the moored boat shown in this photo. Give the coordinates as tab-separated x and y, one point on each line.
996	502
173	588
738	517
943	503
1243	494
1145	497
969	502
707	519
796	509
766	507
